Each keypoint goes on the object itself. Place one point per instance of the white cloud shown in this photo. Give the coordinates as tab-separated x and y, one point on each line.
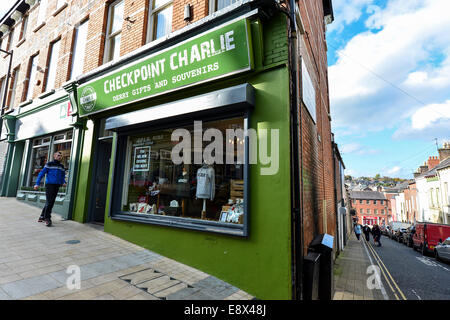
389	73
426	116
358	149
347	12
395	170
5	5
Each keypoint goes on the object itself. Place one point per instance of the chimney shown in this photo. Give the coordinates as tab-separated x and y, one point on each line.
423	168
432	162
444	152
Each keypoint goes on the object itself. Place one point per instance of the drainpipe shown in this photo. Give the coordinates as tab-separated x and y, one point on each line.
295	159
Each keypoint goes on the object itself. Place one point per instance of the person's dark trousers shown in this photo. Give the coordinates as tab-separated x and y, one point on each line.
367	237
357	235
51	190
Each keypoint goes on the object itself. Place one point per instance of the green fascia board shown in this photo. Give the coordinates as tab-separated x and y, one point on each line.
43	106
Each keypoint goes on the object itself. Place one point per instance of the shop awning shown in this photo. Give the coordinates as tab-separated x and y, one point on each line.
237	97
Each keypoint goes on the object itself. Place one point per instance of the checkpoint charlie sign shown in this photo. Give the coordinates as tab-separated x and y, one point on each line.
214	54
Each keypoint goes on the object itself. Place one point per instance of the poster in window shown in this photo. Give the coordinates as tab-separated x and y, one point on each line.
141	159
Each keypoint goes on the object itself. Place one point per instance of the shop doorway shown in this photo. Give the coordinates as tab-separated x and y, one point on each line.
100	183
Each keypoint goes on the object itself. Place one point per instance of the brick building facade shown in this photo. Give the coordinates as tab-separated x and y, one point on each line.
285	85
371	207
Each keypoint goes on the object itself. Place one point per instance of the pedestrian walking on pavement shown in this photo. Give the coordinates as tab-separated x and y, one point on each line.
366	230
358	230
55	177
376	233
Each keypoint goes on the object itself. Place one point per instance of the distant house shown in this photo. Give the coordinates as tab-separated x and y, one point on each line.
371	207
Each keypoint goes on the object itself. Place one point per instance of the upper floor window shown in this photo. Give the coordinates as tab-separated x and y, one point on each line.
31	77
215	5
360	201
12	88
374	201
79	48
2	87
381	202
42	12
23	28
160	19
114	31
60	3
368	201
10	40
52	66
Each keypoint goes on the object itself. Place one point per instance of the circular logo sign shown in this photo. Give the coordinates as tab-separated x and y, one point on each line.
88	98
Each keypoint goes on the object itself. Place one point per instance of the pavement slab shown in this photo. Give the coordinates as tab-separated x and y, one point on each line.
37	262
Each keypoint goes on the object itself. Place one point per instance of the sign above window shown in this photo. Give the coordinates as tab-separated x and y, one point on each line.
214	54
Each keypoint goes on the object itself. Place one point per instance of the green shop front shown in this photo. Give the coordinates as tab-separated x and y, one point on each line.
35	131
172	153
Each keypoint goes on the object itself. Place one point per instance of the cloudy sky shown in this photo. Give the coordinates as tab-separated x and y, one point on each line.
5	5
389	75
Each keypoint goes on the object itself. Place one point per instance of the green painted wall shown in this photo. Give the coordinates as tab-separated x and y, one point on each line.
82	192
261	263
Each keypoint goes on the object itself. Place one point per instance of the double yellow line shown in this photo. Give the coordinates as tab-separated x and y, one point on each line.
387	276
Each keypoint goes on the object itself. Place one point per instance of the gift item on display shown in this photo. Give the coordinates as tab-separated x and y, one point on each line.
142	208
205	182
133	207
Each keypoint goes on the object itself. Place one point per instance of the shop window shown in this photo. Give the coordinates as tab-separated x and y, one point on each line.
52	66
79	49
114	31
39	157
42	151
156	189
160	23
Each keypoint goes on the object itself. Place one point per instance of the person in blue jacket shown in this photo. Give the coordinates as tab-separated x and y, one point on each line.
55	177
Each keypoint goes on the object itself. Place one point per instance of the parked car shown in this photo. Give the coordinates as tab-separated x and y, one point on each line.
407	236
384	230
428	234
394	229
442	250
398	234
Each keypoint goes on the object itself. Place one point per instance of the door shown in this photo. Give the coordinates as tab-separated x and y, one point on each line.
101	174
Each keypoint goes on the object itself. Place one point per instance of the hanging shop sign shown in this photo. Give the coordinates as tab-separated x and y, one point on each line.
214	54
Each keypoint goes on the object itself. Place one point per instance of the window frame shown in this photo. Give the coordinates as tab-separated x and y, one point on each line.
120	144
108	37
151	19
12	88
28	94
42	14
213	6
50	144
50	65
75	44
24	27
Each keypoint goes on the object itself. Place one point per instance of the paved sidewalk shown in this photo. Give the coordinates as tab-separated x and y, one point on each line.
34	260
351	273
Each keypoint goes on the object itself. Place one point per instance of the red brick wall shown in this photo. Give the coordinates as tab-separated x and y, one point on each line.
318	187
364	206
411	202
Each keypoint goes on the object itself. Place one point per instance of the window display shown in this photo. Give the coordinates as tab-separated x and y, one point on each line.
42	151
156	185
